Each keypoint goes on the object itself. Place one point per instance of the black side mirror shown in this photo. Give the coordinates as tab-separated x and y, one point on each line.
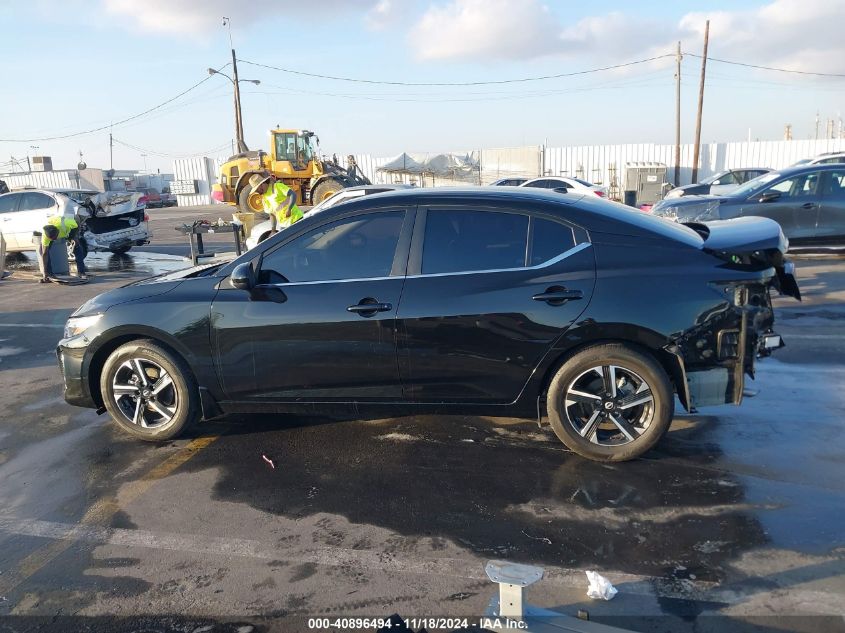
243	277
769	196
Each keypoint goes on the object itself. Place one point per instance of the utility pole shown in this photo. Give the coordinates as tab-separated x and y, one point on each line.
239	124
787	132
817	125
700	105
677	181
111	152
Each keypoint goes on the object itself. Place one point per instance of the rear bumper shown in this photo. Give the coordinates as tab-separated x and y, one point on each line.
134	236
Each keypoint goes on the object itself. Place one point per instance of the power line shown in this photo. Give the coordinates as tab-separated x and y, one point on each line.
169	155
456	83
759	67
110	125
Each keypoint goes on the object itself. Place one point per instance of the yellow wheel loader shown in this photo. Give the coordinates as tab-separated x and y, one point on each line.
293	159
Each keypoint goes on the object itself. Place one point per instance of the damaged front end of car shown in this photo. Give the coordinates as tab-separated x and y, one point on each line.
720	350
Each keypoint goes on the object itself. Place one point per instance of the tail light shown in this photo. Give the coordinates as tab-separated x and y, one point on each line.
600	194
142	201
146	217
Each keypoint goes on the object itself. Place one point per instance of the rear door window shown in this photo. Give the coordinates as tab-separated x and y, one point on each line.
548	240
466	240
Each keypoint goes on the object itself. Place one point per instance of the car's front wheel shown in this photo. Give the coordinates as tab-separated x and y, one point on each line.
610	402
149	391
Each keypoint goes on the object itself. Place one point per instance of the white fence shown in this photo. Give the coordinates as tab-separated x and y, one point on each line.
604	164
600	164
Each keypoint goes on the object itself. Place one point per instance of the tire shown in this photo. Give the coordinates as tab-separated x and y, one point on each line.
179	397
616	428
121	250
326	189
248	203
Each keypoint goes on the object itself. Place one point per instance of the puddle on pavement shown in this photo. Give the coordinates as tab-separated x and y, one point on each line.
138	263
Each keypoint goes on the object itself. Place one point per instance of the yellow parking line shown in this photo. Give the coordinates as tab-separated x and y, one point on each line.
101	512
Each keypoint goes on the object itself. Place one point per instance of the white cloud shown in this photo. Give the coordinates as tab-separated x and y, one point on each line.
195	17
384	14
485	29
794	34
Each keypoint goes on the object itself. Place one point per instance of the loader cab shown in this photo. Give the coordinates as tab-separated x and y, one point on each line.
293	153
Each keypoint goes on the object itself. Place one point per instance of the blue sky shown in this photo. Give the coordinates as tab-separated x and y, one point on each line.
75	65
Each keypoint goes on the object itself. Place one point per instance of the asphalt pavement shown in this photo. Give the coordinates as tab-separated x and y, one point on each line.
734	523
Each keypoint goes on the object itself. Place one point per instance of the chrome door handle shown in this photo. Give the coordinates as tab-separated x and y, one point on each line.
368	307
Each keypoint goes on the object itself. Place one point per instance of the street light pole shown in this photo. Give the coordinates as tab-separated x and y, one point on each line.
239	128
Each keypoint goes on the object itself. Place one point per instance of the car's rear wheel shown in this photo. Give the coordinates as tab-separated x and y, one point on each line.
610	402
149	391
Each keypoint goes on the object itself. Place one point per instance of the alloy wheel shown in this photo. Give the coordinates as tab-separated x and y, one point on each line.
145	393
609	405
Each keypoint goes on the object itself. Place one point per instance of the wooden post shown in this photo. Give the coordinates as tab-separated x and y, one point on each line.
700	105
677	181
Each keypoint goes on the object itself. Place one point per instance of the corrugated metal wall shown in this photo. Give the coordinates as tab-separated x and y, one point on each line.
204	171
43	180
597	163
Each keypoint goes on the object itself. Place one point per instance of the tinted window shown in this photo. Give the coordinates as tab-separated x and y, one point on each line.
726	179
835	185
831	160
360	247
547	183
457	241
32	201
549	239
804	185
9	202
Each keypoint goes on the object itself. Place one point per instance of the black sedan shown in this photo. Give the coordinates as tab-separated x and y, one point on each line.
492	301
808	202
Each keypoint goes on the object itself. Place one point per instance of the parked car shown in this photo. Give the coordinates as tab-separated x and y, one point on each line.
154	199
719	184
485	301
112	221
167	198
828	158
261	231
571	185
808	202
508	182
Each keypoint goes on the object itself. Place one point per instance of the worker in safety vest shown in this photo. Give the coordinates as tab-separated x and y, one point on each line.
61	227
278	200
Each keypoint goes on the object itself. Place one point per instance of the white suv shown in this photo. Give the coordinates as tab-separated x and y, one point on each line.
827	158
112	221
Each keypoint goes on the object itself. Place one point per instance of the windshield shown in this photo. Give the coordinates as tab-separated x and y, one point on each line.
710	180
755	184
304	148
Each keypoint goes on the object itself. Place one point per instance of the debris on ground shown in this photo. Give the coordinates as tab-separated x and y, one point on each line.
600	587
269	461
537	538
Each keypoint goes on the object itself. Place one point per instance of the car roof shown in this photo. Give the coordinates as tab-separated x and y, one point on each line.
66	191
800	169
380	188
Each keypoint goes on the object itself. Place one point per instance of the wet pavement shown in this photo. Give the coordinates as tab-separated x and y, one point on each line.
734	523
